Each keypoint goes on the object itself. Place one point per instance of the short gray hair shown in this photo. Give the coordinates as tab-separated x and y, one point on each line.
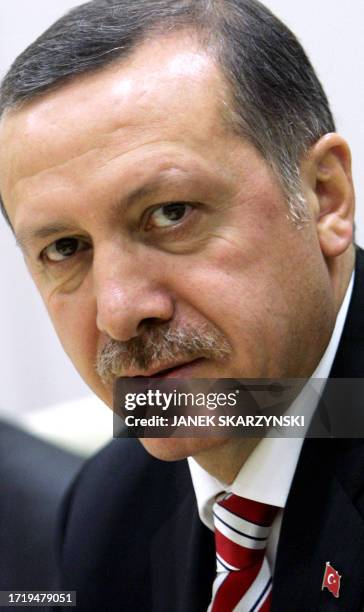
277	100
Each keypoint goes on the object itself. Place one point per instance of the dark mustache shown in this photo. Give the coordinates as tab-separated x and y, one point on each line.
160	345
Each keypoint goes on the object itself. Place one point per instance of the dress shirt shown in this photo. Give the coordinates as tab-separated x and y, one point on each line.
267	474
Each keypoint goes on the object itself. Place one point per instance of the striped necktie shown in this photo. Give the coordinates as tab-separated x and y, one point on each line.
243	582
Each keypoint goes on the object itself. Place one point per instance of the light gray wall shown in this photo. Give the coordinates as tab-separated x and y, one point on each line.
34	370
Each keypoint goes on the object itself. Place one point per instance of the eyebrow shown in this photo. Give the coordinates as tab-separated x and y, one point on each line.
27	235
146	191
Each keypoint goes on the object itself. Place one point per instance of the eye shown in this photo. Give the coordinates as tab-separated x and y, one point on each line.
64	248
169	214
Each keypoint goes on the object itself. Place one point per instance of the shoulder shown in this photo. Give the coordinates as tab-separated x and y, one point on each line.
123	509
121	471
116	486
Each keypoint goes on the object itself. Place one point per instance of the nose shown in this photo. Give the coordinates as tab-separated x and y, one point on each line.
129	295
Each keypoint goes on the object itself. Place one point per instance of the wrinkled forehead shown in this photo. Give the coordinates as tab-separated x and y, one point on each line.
169	88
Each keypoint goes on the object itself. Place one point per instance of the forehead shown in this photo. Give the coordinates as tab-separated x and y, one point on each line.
168	88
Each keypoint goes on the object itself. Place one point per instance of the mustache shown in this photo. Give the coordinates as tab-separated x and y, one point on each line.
160	345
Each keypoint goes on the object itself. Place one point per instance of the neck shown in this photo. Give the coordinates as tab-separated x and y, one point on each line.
226	461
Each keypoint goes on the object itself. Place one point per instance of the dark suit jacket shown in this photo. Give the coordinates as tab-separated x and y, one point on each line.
132	538
34	476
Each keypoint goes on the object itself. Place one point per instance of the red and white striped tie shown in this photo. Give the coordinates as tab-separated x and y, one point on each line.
243	582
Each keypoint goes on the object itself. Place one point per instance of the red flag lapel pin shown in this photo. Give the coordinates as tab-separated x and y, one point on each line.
331	580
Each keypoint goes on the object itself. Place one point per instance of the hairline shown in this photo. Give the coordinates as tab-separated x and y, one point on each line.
210	42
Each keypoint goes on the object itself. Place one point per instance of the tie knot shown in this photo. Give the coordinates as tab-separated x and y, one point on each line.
242	528
248	509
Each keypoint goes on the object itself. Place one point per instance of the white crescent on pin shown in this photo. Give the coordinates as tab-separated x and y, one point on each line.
331	578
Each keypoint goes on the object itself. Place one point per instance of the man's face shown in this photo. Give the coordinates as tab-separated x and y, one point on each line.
140	214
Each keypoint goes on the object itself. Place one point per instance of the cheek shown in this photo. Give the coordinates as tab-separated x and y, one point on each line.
74	317
230	286
248	287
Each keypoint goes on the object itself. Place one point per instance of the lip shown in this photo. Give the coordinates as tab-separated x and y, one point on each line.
182	370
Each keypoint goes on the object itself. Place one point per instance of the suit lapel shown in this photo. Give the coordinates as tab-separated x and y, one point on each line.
324	516
182	576
320	524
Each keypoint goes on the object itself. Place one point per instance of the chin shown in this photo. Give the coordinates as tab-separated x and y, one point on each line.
176	449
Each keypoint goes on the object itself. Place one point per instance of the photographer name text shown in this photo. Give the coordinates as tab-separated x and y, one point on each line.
216	421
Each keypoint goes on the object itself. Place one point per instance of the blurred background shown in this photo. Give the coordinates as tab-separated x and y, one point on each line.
39	386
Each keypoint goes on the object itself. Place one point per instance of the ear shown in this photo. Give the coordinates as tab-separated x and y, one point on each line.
327	174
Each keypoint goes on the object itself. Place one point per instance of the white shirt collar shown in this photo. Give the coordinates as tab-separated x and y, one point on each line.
259	478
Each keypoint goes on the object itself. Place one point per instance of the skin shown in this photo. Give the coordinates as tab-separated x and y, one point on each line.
150	127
